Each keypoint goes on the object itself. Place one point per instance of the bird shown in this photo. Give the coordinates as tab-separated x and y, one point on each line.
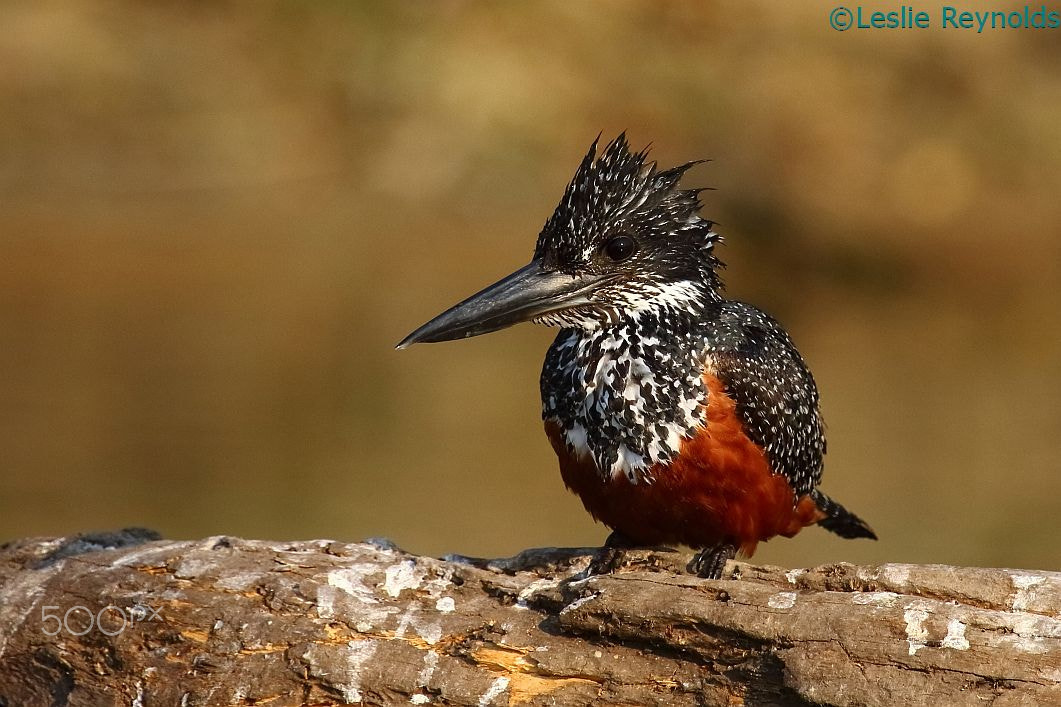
678	416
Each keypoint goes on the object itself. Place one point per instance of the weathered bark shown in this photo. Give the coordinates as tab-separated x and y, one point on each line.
226	621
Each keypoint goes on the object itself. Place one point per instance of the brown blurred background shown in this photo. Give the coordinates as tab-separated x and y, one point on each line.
216	219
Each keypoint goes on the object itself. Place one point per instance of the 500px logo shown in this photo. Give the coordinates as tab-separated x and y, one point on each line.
907	17
79	620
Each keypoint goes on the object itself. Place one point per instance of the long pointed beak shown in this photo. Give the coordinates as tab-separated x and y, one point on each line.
527	293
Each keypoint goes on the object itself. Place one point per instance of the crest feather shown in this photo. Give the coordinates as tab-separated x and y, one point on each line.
616	188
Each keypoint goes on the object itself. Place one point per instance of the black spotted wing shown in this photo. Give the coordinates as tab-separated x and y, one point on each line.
776	396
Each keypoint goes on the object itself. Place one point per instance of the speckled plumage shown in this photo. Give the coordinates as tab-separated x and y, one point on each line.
623	384
620	193
624	378
623	395
627	393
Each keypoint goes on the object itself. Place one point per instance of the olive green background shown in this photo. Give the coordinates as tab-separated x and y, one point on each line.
216	220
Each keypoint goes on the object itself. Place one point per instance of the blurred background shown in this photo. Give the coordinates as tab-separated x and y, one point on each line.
217	219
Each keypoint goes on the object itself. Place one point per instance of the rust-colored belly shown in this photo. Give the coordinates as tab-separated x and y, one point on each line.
719	488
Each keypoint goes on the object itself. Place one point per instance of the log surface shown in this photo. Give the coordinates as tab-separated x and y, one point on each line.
126	618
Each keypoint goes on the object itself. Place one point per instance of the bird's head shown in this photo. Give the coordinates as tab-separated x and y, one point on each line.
624	241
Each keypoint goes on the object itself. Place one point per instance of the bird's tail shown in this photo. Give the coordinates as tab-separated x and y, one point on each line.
839	520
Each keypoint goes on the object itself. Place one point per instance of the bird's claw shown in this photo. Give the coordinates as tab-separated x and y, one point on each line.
710	562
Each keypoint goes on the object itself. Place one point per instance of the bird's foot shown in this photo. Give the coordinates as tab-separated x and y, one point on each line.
610	557
709	562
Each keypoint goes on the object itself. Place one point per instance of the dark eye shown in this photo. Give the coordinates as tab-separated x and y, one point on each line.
620	248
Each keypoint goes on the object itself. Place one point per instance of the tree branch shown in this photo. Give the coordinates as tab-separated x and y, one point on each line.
126	618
